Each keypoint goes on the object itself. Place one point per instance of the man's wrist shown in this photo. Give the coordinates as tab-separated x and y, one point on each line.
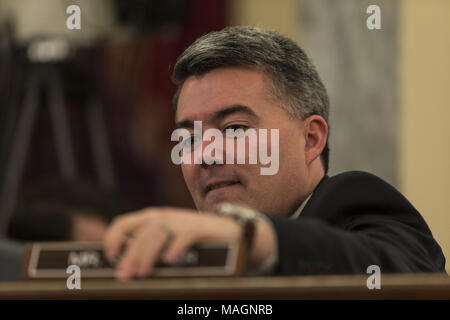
265	251
258	235
246	218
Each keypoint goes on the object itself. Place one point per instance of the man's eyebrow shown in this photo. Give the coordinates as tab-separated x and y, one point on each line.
236	108
220	114
185	124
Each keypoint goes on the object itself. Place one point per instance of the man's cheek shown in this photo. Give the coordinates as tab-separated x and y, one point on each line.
188	173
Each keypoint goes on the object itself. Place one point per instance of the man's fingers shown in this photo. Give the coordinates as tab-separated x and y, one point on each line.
118	233
113	244
149	230
142	253
129	259
176	247
150	252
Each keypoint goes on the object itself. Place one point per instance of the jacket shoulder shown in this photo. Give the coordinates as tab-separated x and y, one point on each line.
353	193
358	179
360	185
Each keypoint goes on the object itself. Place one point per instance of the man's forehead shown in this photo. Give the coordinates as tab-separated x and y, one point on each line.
202	96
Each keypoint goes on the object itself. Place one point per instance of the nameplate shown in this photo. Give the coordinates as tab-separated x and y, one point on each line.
50	260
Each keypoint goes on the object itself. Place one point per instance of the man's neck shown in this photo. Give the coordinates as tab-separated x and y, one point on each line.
315	175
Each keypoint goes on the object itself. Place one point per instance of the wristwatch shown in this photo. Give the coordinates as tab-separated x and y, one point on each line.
246	217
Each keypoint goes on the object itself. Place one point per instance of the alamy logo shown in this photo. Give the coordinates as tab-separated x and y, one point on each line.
74	280
374	20
374	281
74	20
190	149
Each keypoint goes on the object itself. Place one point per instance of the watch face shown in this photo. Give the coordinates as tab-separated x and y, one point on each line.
243	212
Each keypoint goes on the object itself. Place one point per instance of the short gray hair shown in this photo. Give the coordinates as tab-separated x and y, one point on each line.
295	80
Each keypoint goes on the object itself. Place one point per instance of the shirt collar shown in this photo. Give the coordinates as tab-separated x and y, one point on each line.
297	212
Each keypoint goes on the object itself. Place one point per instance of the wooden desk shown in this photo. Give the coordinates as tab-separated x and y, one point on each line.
405	286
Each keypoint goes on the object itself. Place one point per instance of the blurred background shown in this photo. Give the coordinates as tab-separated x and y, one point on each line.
86	114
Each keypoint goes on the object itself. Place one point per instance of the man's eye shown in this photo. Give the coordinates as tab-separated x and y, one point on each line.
236	127
235	131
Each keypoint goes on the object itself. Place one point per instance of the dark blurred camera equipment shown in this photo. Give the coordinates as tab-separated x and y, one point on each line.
37	44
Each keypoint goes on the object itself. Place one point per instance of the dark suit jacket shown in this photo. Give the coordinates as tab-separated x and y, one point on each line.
354	220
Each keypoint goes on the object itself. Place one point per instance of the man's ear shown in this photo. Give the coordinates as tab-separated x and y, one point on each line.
316	133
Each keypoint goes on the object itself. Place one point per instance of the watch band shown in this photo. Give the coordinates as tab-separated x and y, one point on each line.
246	217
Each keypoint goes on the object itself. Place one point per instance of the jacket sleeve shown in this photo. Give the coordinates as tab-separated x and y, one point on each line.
312	246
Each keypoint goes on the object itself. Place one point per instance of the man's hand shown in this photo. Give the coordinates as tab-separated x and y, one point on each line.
147	232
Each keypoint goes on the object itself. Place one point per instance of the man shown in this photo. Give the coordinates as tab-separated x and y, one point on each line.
246	77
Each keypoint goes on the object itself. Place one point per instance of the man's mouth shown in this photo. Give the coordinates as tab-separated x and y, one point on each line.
220	184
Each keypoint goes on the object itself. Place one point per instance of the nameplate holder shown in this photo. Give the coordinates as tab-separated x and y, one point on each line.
50	260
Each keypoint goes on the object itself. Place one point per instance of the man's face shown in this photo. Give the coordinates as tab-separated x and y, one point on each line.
240	98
